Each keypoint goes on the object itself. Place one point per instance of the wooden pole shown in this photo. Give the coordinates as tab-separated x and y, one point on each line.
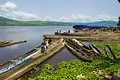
111	51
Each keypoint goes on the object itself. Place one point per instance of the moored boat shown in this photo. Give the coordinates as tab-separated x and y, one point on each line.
5	42
84	52
19	60
78	50
9	43
79	54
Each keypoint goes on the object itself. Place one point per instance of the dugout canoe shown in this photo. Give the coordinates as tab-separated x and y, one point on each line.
9	43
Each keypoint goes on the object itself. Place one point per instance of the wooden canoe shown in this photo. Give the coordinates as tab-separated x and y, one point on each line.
86	53
78	50
90	50
19	60
5	42
79	54
72	34
9	43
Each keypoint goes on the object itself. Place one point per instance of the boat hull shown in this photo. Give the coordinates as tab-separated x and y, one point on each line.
11	43
19	60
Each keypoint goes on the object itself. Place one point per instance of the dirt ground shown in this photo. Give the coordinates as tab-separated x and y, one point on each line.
105	35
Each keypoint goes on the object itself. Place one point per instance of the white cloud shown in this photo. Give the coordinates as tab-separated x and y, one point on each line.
47	18
63	19
83	18
9	5
89	18
106	17
10	10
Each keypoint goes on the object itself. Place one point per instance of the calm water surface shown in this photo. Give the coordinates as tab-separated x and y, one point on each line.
33	34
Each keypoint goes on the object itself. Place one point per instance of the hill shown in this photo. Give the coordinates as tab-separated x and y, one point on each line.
9	22
104	23
5	22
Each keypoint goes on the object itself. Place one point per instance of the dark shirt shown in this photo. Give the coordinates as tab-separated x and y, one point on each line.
43	43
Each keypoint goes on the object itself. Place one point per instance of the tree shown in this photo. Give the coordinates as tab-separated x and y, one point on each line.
118	21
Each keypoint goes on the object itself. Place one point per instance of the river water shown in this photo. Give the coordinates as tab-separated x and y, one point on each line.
33	35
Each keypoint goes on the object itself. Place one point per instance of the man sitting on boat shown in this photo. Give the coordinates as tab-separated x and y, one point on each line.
43	47
49	41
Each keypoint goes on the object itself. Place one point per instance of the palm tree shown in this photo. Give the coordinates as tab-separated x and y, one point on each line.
118	21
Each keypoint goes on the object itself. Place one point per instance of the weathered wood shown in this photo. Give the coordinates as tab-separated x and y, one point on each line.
95	49
106	52
74	34
79	48
78	54
111	52
82	38
11	43
83	51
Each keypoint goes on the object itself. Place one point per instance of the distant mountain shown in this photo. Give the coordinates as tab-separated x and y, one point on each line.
47	23
5	22
10	22
104	23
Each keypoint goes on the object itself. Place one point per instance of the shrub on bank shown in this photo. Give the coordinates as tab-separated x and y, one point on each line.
77	70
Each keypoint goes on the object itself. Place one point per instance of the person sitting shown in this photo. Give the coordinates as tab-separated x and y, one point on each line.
68	31
43	47
49	41
56	32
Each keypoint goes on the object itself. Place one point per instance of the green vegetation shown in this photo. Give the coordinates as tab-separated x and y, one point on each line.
46	23
78	70
5	21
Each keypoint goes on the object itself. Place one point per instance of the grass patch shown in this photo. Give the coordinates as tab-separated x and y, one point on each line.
78	70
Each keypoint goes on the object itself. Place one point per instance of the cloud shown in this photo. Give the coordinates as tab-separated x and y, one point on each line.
88	18
47	18
10	10
9	5
83	18
64	19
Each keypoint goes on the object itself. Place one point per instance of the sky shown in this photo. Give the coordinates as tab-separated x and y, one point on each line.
61	10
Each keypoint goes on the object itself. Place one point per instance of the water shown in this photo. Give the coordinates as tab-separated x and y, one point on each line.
33	34
63	55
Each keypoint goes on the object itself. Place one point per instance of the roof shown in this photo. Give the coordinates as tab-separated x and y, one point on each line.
85	26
